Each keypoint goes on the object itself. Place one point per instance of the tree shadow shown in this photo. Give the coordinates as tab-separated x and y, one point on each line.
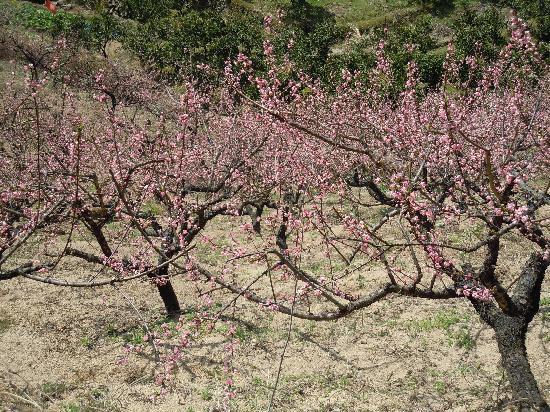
440	8
334	355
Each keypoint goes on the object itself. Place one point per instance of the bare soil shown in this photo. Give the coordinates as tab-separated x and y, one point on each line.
60	348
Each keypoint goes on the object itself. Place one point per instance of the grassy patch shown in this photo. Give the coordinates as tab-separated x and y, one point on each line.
207	394
153	208
87	342
440	387
53	390
135	337
453	323
135	334
391	17
112	333
208	254
441	320
462	338
351	11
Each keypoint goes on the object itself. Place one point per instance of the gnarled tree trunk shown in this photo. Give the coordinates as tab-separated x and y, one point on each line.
511	329
510	335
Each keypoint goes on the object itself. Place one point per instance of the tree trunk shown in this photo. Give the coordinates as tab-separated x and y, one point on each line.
510	326
170	300
510	335
166	290
167	293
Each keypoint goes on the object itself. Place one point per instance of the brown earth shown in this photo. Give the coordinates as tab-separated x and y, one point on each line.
60	348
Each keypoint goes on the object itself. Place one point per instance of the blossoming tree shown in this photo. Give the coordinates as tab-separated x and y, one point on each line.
421	192
471	155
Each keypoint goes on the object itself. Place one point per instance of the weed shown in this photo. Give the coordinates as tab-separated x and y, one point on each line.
53	390
446	320
442	320
206	394
463	339
112	333
72	407
96	400
316	267
154	208
434	373
245	334
343	381
134	337
412	383
465	369
258	381
391	323
440	387
86	341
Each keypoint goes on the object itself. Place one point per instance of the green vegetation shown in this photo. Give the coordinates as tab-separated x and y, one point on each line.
320	37
206	394
451	322
479	32
53	390
93	30
440	387
441	320
462	339
248	332
87	342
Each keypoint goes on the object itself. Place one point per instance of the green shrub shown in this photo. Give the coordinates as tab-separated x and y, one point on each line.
535	12
93	31
313	32
177	44
479	32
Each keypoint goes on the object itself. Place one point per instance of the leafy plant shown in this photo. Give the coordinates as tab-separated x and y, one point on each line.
479	32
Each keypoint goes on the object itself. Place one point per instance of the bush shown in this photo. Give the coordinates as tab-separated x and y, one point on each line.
182	42
143	10
537	13
479	32
93	31
311	32
423	50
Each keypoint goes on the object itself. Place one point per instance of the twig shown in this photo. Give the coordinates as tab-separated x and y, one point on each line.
150	337
284	348
22	399
244	290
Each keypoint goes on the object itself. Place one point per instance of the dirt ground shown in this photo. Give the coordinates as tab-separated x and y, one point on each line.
60	348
